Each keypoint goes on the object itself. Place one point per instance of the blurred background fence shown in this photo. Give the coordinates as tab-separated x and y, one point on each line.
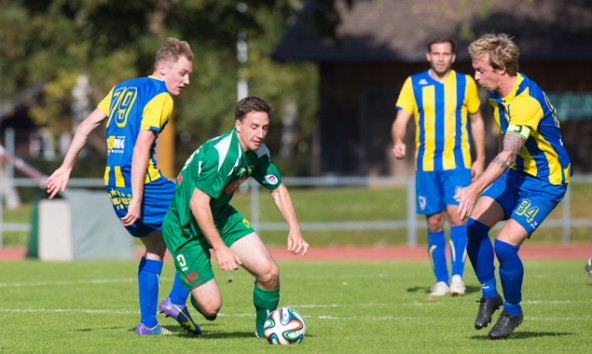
349	210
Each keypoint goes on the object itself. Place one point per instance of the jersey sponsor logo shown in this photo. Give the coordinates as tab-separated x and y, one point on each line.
120	201
191	277
271	179
422	82
116	144
422	202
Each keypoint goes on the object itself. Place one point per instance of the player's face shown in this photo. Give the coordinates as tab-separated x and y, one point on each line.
441	58
252	130
176	75
485	75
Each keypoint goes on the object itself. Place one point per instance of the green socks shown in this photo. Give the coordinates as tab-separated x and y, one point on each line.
265	301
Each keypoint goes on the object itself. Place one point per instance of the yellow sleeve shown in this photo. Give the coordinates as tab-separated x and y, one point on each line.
526	111
406	100
157	112
105	104
472	98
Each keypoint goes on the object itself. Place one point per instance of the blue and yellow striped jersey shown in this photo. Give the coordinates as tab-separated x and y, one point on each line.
543	155
440	111
138	104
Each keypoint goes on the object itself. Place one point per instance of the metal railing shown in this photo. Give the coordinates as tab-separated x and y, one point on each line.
410	223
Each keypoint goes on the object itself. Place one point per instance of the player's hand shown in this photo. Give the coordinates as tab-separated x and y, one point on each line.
227	259
296	244
57	182
399	150
466	199
133	214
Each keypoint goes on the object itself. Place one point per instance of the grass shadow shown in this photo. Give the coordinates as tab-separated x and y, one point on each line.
525	334
233	335
422	289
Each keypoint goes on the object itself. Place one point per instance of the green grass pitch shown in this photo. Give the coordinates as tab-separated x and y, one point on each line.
349	307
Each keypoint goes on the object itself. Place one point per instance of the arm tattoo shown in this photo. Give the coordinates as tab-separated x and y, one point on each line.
513	142
501	163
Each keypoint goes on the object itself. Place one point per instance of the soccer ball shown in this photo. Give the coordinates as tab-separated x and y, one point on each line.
284	326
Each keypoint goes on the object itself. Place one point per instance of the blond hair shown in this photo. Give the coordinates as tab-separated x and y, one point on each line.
171	50
502	51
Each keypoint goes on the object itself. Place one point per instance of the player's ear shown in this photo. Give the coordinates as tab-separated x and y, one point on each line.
453	57
502	70
162	68
237	125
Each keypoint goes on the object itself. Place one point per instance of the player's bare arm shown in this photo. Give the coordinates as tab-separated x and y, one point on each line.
202	212
59	179
478	140
398	132
139	162
283	201
512	143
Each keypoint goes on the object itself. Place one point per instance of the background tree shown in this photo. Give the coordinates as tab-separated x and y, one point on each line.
56	42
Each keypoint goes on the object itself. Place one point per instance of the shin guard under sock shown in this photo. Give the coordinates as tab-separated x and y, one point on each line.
265	301
458	245
511	275
437	253
480	252
148	273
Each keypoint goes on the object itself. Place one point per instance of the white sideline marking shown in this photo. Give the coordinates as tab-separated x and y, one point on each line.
231	315
162	279
67	283
110	312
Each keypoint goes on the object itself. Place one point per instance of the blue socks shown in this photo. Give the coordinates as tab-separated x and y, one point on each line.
458	245
437	253
148	272
480	252
511	275
178	293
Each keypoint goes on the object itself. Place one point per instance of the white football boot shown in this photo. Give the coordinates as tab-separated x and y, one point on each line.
457	287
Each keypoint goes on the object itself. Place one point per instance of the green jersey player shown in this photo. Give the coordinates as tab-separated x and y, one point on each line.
200	217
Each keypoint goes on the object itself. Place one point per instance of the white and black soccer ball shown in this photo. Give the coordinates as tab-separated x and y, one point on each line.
284	326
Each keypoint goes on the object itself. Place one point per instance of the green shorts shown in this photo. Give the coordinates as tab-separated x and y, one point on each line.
192	258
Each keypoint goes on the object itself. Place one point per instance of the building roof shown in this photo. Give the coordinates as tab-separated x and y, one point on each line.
397	30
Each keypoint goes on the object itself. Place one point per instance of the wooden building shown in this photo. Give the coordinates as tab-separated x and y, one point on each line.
378	43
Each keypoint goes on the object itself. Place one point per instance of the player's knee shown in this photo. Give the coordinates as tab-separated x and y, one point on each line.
504	250
476	231
210	316
270	278
154	245
209	310
436	222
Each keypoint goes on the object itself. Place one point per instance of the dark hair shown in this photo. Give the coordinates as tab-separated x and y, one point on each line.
441	39
251	104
